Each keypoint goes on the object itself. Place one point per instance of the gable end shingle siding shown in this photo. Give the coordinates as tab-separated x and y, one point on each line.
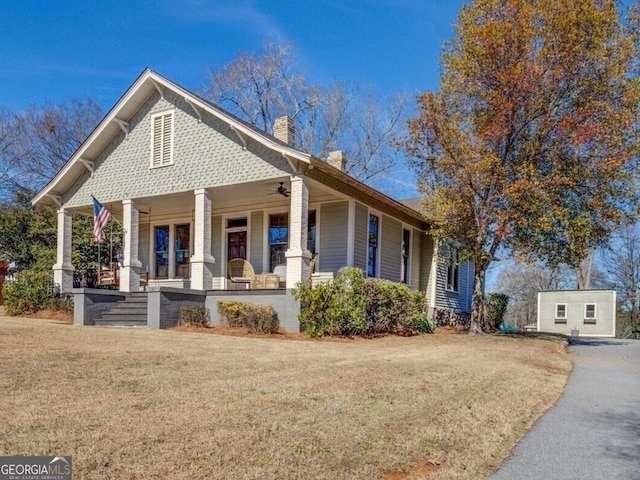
205	155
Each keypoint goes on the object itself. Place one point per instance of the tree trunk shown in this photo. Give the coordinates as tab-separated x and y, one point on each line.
477	313
584	270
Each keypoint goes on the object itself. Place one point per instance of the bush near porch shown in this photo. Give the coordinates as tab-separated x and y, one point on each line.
32	291
352	305
256	318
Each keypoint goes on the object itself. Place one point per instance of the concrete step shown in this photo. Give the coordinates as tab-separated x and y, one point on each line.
132	311
141	316
122	322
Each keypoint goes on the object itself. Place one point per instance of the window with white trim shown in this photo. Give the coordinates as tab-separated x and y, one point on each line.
590	313
561	313
162	139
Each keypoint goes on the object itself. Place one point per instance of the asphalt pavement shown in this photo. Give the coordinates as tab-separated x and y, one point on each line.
593	432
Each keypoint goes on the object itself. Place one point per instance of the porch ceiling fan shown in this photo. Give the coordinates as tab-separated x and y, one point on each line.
282	190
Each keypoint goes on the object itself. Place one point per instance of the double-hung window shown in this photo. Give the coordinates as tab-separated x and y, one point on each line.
590	314
561	313
278	239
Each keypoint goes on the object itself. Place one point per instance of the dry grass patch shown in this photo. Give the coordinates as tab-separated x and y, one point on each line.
138	403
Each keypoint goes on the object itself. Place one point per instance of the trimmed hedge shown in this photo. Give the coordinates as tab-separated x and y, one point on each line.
257	318
352	305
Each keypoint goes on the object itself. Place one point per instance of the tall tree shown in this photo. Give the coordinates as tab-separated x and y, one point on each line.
259	87
623	261
36	143
531	141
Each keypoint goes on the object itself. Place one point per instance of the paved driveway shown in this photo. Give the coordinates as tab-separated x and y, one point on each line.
594	430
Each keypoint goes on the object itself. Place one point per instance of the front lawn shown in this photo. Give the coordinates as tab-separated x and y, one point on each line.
138	403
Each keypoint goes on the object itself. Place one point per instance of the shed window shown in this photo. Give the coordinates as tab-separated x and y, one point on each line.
561	313
162	140
590	313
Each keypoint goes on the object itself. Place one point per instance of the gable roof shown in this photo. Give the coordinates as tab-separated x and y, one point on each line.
116	120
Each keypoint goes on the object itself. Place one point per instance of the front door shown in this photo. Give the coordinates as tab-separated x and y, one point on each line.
237	245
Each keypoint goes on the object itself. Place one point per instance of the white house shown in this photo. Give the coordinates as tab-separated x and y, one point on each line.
194	187
590	313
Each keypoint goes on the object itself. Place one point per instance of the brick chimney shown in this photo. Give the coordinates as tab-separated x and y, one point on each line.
283	129
337	159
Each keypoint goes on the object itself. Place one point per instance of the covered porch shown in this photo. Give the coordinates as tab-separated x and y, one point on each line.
187	239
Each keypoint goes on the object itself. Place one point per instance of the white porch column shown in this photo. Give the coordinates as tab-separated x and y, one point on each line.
130	271
63	270
202	261
297	255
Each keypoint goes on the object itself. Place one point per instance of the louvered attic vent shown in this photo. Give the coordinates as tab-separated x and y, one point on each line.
162	140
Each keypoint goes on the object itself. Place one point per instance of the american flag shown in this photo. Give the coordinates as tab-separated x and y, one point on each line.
101	217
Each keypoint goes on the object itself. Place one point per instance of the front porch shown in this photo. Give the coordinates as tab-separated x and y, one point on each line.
162	306
187	239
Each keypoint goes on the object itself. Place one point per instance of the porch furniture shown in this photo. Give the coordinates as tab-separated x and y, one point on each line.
281	272
144	280
270	280
240	272
108	276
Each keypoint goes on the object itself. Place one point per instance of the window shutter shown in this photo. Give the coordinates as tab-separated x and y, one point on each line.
162	140
166	139
157	142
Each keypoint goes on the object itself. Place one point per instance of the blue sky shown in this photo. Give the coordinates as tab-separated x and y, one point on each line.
57	50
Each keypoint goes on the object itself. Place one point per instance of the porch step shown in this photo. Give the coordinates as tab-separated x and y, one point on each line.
132	312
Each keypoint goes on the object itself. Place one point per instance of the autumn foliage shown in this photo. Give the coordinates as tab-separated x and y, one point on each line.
531	141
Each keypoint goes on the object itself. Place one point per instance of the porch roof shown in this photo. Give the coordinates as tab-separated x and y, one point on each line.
149	82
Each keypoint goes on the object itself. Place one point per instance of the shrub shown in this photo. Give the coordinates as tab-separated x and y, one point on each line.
62	304
232	313
352	305
257	318
28	292
338	307
197	316
262	319
495	306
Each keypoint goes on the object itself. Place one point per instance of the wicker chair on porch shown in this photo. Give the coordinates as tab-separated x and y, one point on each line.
240	272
